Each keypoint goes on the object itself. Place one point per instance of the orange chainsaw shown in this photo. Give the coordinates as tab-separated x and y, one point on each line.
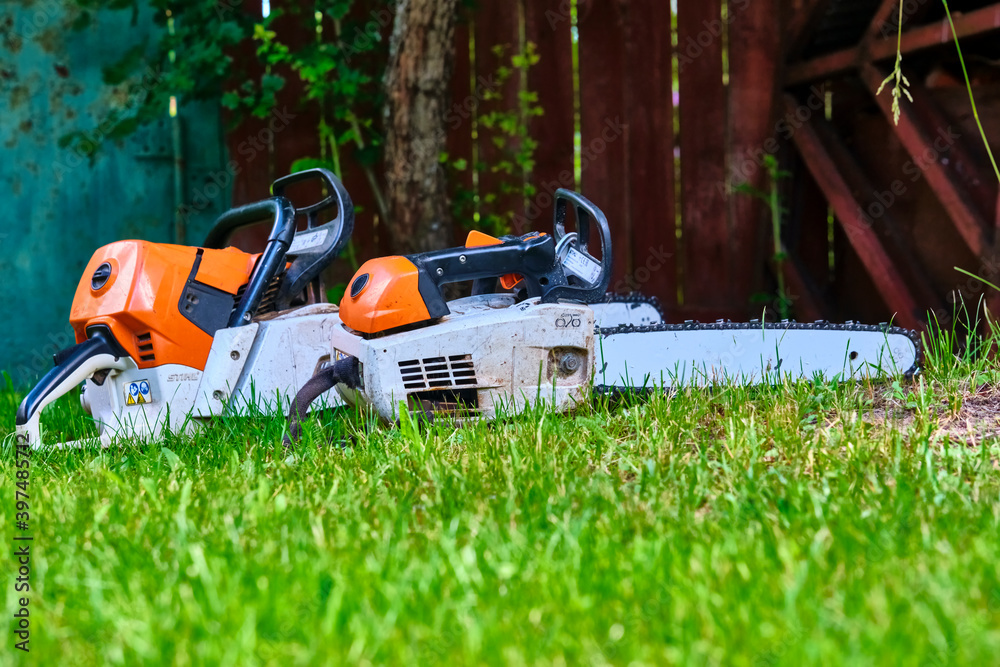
166	333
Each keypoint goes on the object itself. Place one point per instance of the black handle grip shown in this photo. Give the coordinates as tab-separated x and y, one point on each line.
272	261
532	256
541	260
321	244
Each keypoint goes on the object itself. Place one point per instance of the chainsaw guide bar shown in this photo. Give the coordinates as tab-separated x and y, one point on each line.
884	334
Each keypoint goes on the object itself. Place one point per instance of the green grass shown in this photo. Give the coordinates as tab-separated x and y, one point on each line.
798	524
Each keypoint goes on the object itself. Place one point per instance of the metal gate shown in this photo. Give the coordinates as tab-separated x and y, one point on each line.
65	202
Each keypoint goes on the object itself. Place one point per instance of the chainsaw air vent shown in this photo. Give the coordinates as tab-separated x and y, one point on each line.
454	371
145	342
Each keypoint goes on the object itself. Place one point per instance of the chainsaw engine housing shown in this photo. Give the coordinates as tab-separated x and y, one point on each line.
162	303
487	358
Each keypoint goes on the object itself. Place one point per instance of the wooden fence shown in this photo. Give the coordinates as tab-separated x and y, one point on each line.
642	73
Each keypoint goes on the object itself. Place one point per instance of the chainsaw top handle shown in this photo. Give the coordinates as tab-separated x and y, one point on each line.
587	277
313	248
316	247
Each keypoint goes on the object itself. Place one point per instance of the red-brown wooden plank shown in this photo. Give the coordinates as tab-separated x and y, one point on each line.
967	220
706	271
648	79
802	24
248	158
963	167
866	243
753	92
998	213
549	27
823	67
807	299
605	122
887	10
496	24
298	138
459	123
363	26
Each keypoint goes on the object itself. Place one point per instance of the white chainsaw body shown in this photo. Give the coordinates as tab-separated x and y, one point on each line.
257	368
488	358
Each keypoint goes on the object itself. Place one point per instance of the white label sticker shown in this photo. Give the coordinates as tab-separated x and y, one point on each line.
307	241
582	267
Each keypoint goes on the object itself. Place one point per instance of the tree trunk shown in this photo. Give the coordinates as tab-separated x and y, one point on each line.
418	85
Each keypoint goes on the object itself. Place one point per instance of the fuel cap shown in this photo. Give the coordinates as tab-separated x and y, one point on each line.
359	285
101	276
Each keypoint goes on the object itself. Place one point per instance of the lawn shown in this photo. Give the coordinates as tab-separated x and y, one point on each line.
795	524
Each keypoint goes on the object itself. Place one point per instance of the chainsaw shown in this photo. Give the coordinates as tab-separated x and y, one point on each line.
400	347
170	336
168	333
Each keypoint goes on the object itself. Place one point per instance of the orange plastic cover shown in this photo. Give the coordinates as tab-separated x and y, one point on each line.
140	301
390	297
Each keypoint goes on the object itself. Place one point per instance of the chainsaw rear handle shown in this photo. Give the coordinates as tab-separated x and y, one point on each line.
573	254
532	257
272	261
315	247
539	259
337	192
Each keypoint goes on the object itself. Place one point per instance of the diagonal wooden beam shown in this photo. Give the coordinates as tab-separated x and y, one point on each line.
884	12
824	67
929	151
888	281
980	22
962	165
881	219
803	25
971	24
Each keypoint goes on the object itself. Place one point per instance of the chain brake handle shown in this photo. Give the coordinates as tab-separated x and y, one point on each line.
568	243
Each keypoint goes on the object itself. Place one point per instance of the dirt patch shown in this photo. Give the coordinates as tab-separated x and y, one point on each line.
977	418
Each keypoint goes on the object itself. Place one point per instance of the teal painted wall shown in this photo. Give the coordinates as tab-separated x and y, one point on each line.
59	207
